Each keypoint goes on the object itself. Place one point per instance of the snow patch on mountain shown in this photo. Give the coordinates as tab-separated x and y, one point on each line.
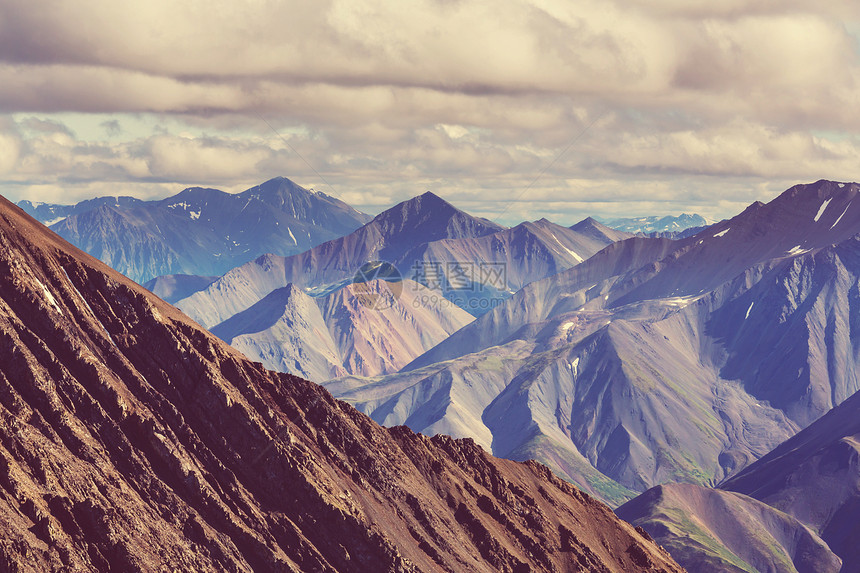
840	216
797	250
54	221
49	297
822	208
572	253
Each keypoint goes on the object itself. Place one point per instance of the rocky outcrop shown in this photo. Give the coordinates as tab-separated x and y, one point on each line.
132	440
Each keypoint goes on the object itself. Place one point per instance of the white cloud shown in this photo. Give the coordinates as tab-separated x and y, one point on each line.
479	99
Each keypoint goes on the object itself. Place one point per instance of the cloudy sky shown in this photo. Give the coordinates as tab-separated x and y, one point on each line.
513	110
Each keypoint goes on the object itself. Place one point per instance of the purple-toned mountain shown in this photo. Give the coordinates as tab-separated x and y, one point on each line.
423	233
815	477
132	440
715	531
769	516
655	360
334	264
528	252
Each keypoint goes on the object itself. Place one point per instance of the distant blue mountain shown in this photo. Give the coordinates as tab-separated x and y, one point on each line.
51	213
200	231
655	224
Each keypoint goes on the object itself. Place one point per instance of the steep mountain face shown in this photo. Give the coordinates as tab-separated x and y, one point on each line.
655	224
815	477
132	440
658	360
424	219
324	216
201	231
599	232
364	329
133	241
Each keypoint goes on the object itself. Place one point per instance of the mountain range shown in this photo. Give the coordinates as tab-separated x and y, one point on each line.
332	265
200	231
704	379
654	360
476	263
658	224
133	440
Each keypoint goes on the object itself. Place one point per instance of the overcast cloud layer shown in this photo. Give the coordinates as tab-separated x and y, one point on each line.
513	110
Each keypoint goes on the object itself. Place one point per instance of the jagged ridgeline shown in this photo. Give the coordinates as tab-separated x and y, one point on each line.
132	440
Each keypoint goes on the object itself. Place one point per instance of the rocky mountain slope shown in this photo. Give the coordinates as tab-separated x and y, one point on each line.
815	477
769	516
200	231
715	531
656	360
132	440
365	329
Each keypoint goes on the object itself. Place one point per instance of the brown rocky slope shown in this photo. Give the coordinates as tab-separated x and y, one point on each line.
132	440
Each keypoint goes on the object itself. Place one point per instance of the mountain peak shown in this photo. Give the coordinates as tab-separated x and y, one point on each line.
591	227
588	222
430	194
428	199
277	187
428	217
